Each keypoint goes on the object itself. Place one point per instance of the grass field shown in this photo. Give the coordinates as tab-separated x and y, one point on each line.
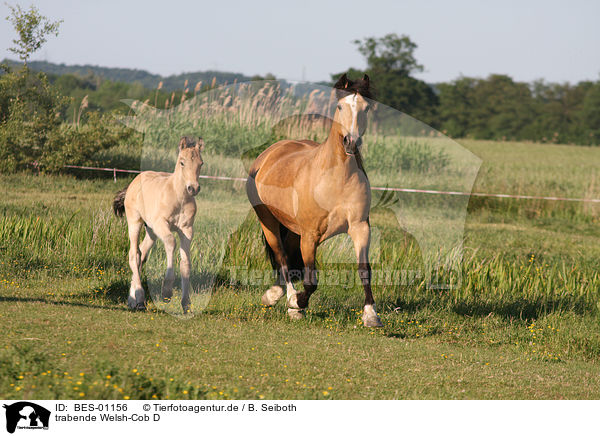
523	324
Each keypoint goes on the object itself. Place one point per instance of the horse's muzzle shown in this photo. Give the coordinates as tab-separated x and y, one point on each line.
351	146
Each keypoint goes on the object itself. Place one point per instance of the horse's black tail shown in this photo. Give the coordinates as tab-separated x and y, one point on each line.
294	256
119	202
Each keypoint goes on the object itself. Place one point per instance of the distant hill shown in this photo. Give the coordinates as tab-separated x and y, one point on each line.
128	75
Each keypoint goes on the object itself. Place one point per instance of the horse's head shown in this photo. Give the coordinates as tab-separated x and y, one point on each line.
189	163
351	112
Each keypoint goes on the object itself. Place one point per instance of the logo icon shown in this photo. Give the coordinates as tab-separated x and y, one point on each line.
26	415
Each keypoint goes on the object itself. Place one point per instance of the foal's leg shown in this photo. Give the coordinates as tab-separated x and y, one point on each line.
361	236
185	240
163	231
146	245
136	299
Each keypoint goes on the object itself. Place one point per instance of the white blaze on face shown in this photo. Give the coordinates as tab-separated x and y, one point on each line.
352	100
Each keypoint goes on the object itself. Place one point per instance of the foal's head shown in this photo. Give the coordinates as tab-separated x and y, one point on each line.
351	112
189	163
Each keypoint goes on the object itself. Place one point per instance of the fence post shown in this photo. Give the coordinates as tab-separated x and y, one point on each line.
115	175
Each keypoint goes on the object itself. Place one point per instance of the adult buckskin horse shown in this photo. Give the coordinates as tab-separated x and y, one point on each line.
304	193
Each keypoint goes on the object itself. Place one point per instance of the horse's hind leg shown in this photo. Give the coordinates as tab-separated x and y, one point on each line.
308	247
291	244
136	299
270	227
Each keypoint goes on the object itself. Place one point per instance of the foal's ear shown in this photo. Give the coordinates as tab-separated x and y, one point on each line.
342	82
183	143
200	144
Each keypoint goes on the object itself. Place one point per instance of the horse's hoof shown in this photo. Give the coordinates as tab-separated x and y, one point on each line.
292	302
140	306
296	314
372	321
272	295
370	317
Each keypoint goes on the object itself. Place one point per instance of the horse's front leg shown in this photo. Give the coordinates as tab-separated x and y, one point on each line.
185	241
361	237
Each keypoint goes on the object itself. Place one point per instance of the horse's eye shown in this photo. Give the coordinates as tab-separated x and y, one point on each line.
181	163
339	107
367	109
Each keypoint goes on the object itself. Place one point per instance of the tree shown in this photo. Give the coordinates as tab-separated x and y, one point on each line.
390	53
492	108
591	114
390	63
32	29
456	106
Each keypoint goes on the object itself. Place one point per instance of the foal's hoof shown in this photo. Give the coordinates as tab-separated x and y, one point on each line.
296	314
272	295
132	304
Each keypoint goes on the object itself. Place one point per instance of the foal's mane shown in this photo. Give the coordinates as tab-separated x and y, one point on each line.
189	142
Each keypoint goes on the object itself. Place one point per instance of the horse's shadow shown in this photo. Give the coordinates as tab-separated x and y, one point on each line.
521	308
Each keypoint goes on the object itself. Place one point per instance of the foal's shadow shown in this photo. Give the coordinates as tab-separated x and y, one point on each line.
117	292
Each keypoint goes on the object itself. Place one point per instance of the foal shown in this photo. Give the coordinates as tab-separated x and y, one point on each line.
164	203
304	193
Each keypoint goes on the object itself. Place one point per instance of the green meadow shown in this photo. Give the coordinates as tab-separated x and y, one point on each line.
522	323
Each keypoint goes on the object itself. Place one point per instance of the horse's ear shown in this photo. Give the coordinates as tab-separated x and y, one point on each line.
367	80
200	144
342	82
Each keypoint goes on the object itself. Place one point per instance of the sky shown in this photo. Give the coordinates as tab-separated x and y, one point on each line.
557	41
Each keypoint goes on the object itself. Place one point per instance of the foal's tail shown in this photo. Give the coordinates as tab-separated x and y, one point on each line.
119	202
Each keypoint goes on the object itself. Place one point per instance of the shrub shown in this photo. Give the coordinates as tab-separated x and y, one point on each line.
30	111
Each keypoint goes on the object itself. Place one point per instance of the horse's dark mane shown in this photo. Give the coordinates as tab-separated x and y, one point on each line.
345	86
359	163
